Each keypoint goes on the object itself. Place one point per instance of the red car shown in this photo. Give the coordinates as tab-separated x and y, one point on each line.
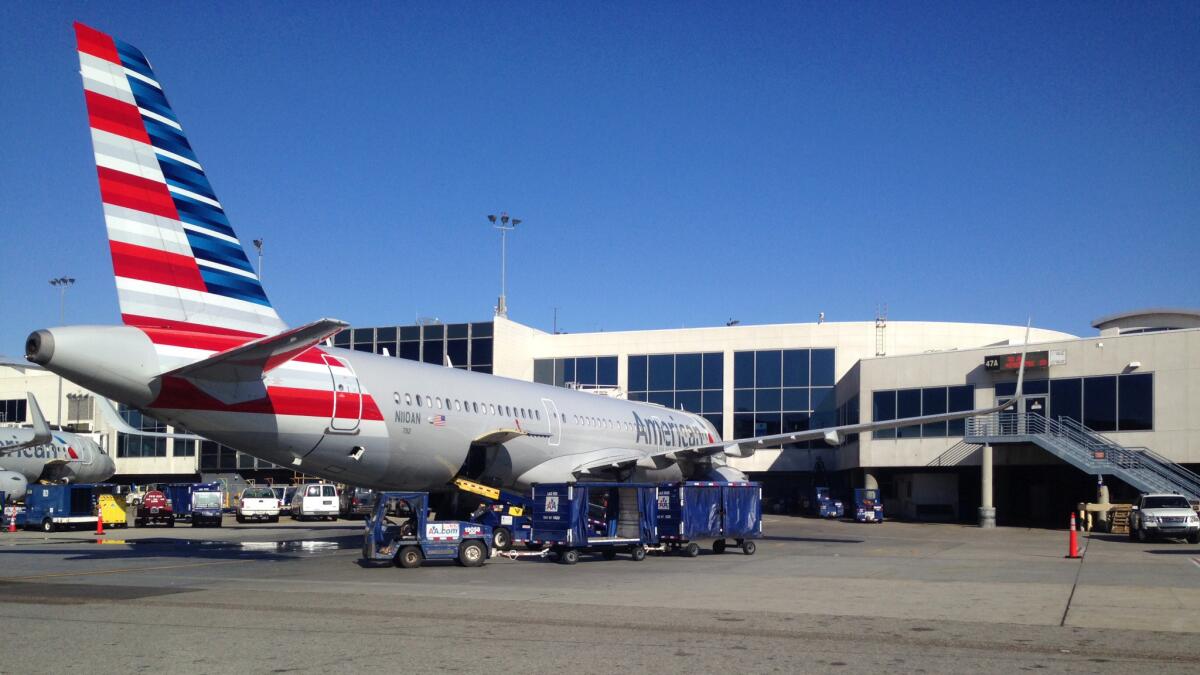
155	509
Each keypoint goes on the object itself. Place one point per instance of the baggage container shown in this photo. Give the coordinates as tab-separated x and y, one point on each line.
604	518
693	511
180	496
868	505
55	507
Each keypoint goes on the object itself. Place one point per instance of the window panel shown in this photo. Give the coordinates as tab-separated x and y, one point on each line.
1066	399
637	396
410	333
743	400
606	371
482	329
1100	403
718	423
824	406
767	400
431	352
410	351
959	398
795	368
662	372
342	340
481	351
822	367
795	399
933	402
688	400
663	398
1005	389
766	424
637	373
908	404
743	370
712	401
433	332
795	421
457	351
714	370
687	371
743	425
1136	399
456	330
387	334
585	370
767	365
568	370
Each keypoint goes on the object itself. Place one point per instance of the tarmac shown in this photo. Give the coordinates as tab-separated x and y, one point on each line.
818	596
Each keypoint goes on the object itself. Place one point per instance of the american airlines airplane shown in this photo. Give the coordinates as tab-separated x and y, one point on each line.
202	348
39	453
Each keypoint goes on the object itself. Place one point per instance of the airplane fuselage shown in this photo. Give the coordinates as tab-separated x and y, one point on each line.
67	456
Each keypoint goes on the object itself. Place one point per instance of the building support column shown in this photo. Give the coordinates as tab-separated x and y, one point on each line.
869	482
987	512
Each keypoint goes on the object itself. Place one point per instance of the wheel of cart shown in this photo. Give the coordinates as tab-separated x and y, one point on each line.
409	557
748	546
638	552
471	553
568	556
690	549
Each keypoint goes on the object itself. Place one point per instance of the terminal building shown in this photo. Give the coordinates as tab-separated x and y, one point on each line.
1135	385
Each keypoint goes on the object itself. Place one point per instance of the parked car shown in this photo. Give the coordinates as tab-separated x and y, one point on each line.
315	500
355	502
257	503
206	508
1164	516
154	509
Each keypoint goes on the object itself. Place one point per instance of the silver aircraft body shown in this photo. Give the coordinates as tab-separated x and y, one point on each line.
201	346
28	455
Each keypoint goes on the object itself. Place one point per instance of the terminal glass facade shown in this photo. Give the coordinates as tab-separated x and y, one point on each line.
780	390
1103	403
577	371
690	381
468	345
12	410
129	445
891	404
217	457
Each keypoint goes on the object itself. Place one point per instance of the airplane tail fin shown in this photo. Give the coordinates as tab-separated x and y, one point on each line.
177	261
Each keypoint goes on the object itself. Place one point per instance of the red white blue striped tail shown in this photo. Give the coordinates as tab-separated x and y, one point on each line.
178	263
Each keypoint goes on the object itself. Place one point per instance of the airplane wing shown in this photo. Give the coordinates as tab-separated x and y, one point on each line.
114	418
247	363
41	430
571	467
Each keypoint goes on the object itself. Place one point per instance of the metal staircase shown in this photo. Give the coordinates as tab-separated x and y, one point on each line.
1086	450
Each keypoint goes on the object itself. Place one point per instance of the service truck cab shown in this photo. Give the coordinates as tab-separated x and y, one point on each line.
1164	515
155	509
399	530
206	508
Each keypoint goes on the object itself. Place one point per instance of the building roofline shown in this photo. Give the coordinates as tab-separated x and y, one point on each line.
1150	311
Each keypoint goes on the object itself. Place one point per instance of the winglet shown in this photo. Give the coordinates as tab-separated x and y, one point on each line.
114	418
41	430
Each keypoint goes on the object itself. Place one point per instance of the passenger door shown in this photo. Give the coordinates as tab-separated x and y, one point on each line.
555	429
347	398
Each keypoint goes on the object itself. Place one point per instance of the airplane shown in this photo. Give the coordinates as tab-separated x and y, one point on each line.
43	454
202	347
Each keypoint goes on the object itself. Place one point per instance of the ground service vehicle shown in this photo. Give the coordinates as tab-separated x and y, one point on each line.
1164	515
399	529
822	505
257	503
868	505
704	510
315	500
206	508
155	509
506	512
180	496
112	511
604	518
55	507
355	502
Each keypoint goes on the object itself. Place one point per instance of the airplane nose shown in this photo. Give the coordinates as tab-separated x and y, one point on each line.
39	347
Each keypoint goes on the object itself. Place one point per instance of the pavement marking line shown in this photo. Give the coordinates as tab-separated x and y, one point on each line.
1075	583
1196	562
123	570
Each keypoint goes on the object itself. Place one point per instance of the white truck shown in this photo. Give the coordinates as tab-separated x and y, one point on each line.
257	503
1164	515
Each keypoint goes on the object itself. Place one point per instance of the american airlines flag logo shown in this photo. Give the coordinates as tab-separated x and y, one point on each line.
438	420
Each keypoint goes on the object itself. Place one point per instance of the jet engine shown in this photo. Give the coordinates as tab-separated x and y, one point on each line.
13	484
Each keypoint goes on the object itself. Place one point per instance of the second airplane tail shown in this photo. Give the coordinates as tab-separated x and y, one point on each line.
177	261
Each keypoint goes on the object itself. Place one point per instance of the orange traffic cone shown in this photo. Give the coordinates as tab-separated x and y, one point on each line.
100	520
12	520
1073	546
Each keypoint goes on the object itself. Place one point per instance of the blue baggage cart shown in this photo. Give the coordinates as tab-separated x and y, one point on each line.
868	505
702	510
180	496
55	507
506	512
399	530
604	518
825	506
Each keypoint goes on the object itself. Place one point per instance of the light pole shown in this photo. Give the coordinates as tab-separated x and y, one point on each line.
258	244
505	226
62	284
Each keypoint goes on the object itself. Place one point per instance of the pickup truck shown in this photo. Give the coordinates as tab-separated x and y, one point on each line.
1164	516
257	503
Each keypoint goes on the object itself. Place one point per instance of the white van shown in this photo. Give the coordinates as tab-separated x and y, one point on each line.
315	500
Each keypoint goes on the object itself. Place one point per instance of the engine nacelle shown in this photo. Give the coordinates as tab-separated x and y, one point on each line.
13	485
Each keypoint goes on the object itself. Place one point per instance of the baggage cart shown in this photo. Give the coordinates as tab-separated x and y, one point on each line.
506	512
868	505
56	507
695	511
605	518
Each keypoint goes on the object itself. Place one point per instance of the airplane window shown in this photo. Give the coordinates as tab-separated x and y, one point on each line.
418	400
475	407
564	416
428	401
507	411
537	414
396	397
408	399
457	405
439	402
523	415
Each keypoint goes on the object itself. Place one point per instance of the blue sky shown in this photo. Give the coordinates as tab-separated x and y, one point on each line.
675	164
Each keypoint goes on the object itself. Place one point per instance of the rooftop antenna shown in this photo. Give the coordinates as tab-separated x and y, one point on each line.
505	225
881	312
